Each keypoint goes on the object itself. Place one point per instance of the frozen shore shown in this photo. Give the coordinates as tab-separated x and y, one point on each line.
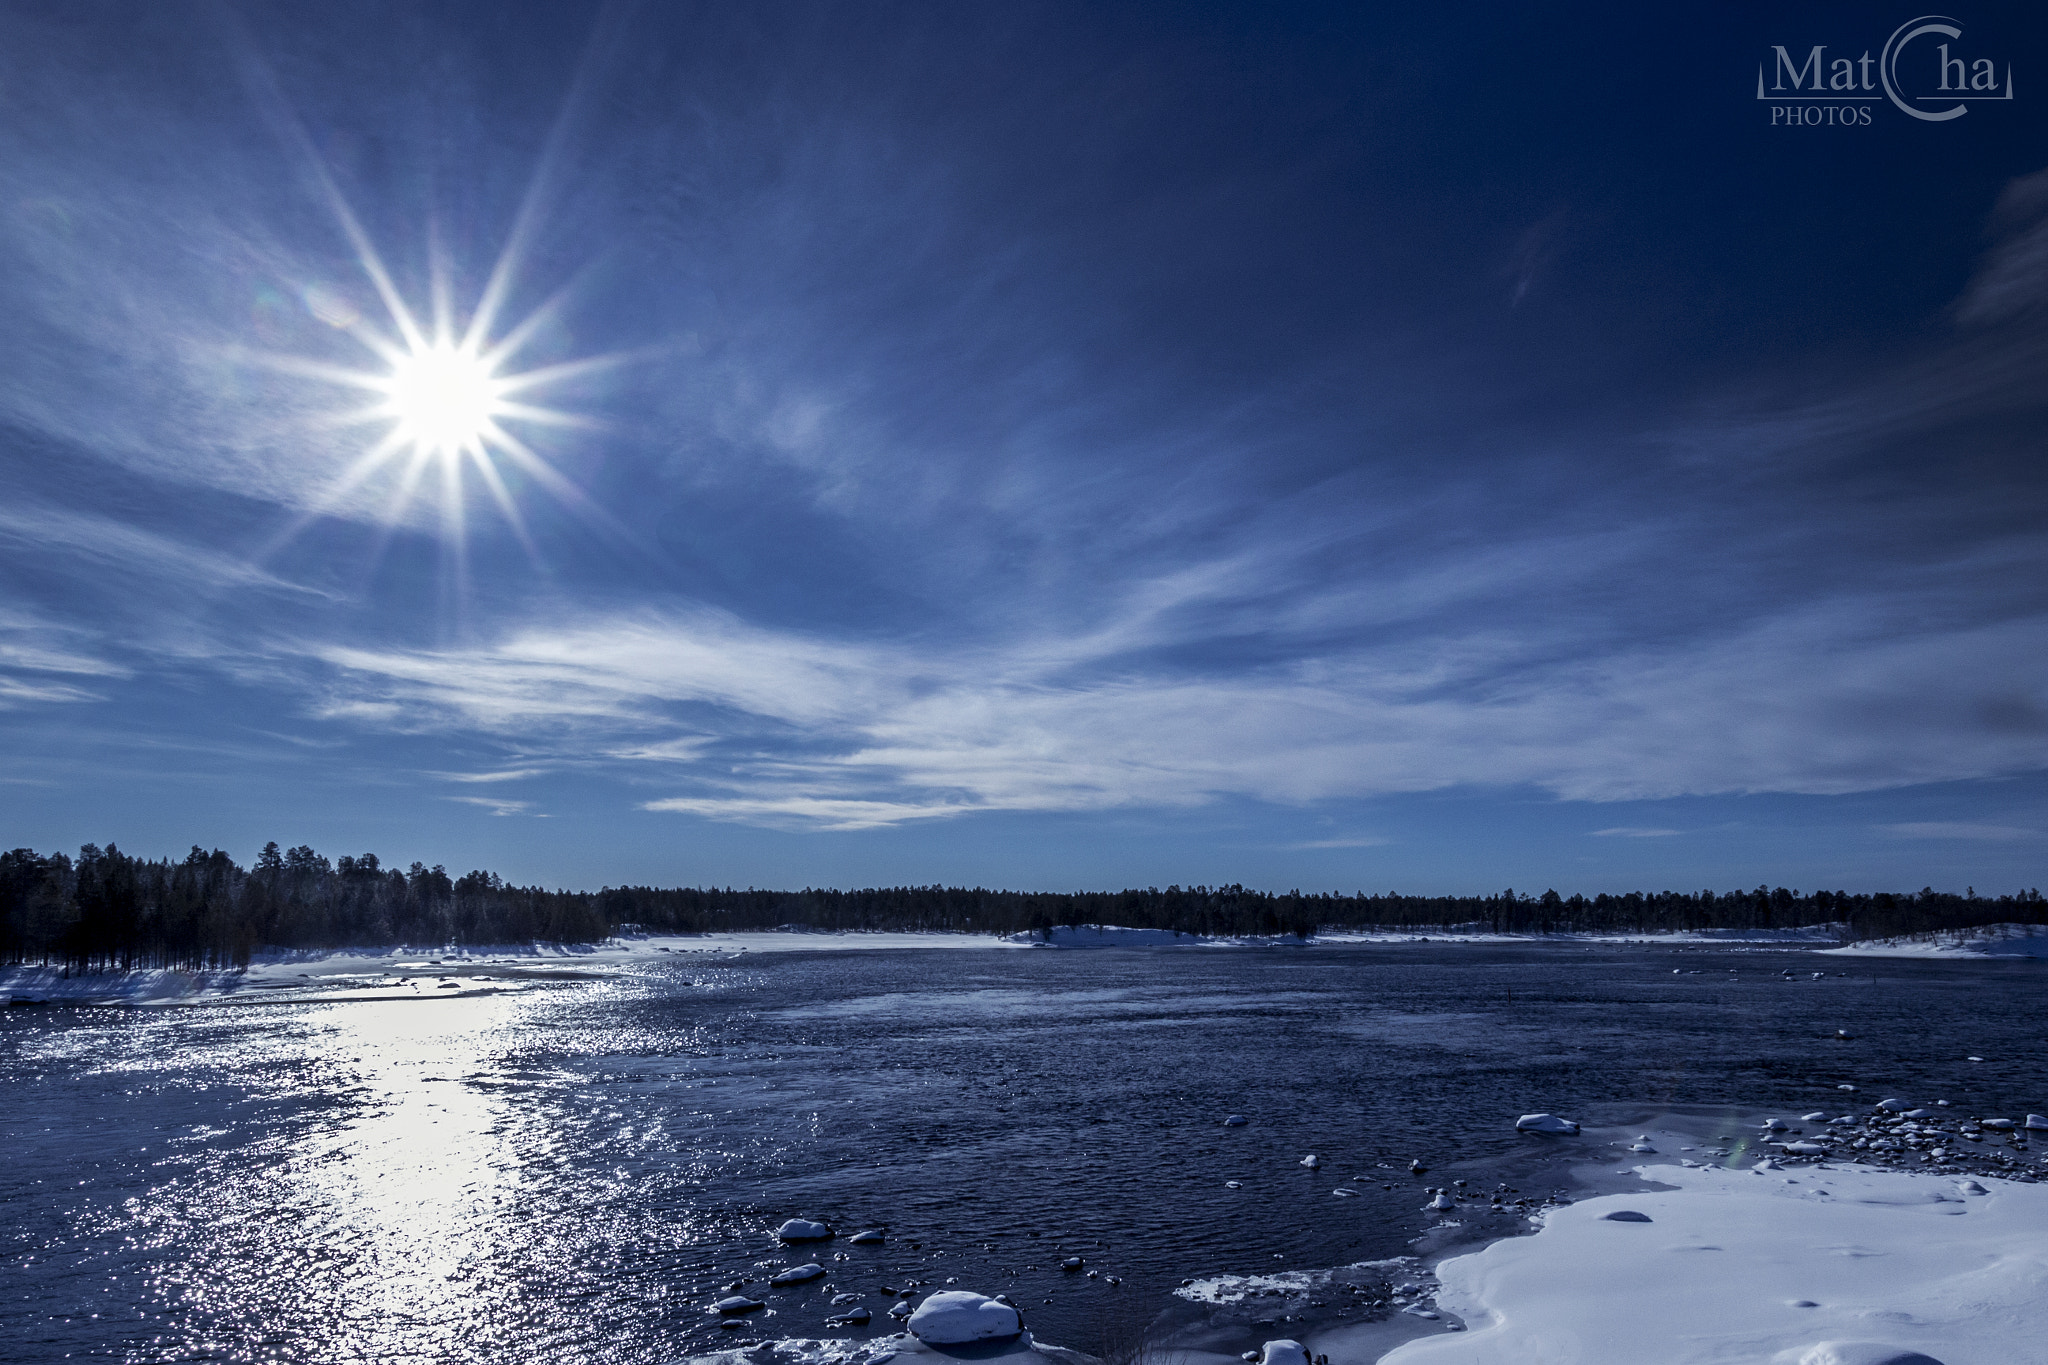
377	973
1816	1265
1991	940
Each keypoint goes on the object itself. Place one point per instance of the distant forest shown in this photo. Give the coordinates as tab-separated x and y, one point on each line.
108	910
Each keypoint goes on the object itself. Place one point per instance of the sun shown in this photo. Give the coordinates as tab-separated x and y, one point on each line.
444	399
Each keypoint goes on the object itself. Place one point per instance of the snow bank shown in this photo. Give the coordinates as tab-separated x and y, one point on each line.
1790	1266
1991	940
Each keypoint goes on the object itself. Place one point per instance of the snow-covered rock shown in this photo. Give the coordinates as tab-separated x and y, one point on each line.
1235	1121
1312	1161
955	1317
1626	1216
803	1230
867	1237
738	1303
798	1274
1853	1353
1283	1352
2000	1124
1545	1123
2037	1122
1442	1201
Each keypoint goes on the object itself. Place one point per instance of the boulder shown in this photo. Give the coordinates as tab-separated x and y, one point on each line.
2036	1122
954	1317
798	1274
867	1238
1854	1353
1545	1123
1236	1121
803	1230
738	1303
1283	1352
1626	1216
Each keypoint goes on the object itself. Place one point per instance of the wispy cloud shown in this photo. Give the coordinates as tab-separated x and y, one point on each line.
502	775
1961	829
1634	832
117	544
497	807
790	727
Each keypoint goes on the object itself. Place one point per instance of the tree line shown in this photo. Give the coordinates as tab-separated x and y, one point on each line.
106	909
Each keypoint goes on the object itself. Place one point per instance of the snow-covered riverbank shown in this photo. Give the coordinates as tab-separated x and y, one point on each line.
373	973
1818	1265
1991	940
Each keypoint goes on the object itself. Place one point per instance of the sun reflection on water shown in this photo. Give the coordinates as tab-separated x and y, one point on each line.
418	1193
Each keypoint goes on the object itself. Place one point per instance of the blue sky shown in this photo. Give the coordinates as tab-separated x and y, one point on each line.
1042	446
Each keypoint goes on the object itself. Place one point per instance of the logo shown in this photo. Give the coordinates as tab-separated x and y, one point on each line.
1924	70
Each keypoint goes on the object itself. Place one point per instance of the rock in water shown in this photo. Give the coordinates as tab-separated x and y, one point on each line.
1443	1201
1416	1167
1545	1123
1312	1161
798	1274
2000	1124
739	1303
867	1238
1626	1216
1072	1263
2037	1121
1283	1352
859	1317
1236	1121
954	1317
803	1230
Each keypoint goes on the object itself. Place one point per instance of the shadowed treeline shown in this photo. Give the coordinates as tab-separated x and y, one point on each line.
106	909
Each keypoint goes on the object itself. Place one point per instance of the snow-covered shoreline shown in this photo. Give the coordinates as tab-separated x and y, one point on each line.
1991	940
507	966
1814	1265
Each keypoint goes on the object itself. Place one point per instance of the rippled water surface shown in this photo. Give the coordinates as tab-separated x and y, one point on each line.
573	1171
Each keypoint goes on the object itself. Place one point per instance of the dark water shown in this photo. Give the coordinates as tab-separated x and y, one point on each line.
571	1173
